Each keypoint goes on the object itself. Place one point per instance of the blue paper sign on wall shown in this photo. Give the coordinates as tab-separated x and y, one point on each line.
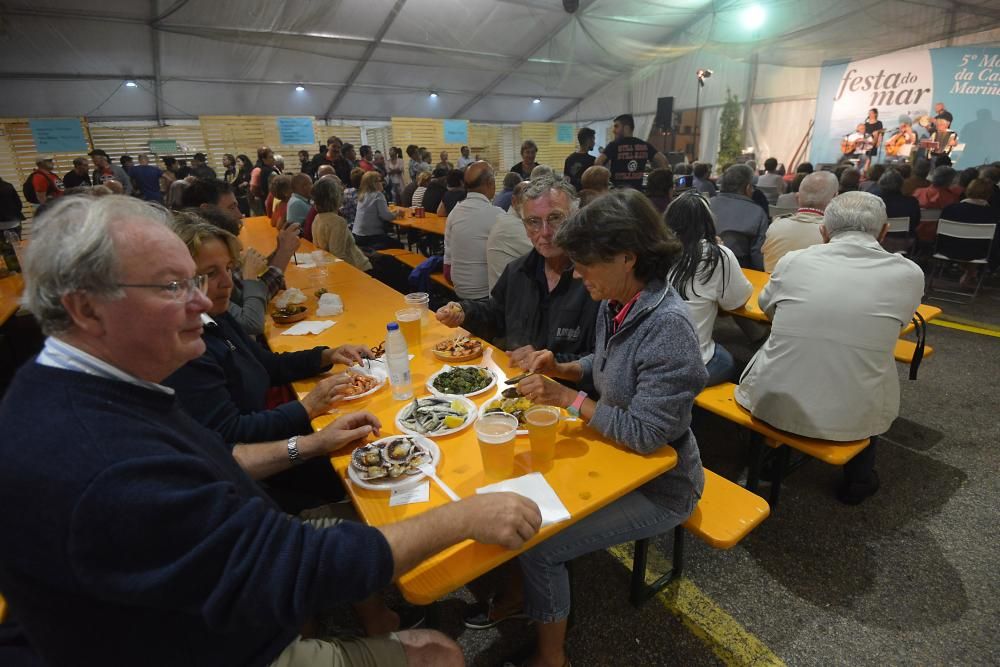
564	133
58	135
292	130
456	131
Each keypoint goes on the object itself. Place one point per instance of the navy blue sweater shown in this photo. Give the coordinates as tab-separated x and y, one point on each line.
131	537
226	388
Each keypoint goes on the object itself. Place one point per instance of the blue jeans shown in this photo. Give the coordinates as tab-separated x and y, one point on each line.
546	580
720	367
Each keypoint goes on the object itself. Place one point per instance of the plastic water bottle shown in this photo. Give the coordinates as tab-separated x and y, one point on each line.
397	358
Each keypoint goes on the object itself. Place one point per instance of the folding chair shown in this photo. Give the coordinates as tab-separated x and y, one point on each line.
897	239
777	211
960	243
770	192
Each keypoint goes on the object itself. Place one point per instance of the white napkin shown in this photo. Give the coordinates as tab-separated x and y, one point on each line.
420	493
291	296
537	488
308	327
329	304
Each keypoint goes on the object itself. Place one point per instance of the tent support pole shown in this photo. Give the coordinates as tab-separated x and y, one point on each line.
157	79
751	91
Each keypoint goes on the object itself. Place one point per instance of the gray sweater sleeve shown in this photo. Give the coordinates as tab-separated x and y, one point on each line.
254	309
670	374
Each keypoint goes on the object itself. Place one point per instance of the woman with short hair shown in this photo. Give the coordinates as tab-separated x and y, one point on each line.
529	151
329	229
647	367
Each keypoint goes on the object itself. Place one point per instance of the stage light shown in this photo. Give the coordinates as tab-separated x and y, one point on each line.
536	101
300	88
131	84
754	16
433	95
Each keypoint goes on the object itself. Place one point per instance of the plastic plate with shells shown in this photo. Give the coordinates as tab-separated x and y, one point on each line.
393	462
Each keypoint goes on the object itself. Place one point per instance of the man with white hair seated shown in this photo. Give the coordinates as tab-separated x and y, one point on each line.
801	230
827	370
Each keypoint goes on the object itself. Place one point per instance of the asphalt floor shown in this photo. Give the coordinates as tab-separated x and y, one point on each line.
909	577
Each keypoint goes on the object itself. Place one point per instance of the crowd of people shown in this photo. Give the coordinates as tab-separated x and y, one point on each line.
604	279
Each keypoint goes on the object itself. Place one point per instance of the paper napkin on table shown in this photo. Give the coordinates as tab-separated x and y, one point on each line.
537	488
308	327
420	493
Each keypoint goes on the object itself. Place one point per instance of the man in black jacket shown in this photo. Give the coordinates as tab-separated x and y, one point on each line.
537	304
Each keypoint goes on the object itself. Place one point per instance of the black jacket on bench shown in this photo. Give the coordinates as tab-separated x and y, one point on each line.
521	311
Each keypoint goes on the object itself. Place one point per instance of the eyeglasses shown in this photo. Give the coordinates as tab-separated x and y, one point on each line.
178	290
553	220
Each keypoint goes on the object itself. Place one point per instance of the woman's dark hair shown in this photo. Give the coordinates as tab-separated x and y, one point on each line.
849	180
456	178
660	182
691	220
797	181
804	168
246	166
967	176
619	222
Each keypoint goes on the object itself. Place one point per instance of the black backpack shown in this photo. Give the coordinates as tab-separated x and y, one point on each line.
29	188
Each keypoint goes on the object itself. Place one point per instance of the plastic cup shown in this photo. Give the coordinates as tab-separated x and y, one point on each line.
422	301
542	422
410	320
496	433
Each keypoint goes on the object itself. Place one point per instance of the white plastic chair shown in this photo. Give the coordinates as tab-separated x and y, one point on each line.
961	243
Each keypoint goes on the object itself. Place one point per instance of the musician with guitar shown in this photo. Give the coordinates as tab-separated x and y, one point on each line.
905	136
857	143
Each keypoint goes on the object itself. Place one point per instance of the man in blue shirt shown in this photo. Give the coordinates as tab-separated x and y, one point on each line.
298	205
156	524
147	177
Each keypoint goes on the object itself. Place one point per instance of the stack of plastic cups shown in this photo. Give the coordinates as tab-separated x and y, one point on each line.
421	300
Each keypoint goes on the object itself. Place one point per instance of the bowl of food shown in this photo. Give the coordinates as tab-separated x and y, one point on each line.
461	381
460	348
512	403
436	416
392	463
289	314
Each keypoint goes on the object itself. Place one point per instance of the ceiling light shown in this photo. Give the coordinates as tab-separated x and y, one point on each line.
300	88
131	84
433	95
536	101
753	16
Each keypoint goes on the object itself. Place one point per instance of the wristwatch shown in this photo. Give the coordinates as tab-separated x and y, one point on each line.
574	408
293	450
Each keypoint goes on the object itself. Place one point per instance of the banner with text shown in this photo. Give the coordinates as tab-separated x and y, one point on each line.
909	83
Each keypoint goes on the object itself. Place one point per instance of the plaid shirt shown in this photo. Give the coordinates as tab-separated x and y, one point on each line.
349	209
273	279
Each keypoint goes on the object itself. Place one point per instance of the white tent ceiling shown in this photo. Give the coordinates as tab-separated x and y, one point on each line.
374	59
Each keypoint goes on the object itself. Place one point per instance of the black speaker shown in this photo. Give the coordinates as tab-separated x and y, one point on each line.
665	114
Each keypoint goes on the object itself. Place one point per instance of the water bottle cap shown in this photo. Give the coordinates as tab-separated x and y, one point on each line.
392	326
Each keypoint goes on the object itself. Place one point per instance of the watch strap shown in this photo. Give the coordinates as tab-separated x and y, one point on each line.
293	450
574	408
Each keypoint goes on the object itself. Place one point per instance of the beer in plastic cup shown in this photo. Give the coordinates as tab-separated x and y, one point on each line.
543	424
496	432
409	320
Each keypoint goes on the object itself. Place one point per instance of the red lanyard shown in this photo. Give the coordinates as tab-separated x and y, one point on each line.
810	210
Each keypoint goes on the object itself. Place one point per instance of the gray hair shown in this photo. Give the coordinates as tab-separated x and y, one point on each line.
736	179
891	182
511	179
817	189
72	250
540	186
942	177
541	170
855	212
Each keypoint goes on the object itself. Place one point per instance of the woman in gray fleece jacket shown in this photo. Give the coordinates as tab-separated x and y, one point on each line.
648	369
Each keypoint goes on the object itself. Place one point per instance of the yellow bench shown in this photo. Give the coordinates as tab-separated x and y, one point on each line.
926	311
719	400
725	515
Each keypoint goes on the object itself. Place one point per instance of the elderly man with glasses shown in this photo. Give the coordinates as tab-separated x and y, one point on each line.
141	519
536	304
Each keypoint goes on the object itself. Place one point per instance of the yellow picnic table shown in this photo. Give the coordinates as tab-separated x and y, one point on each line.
11	289
589	472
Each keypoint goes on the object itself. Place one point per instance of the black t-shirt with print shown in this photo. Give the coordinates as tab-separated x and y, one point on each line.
627	160
576	164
